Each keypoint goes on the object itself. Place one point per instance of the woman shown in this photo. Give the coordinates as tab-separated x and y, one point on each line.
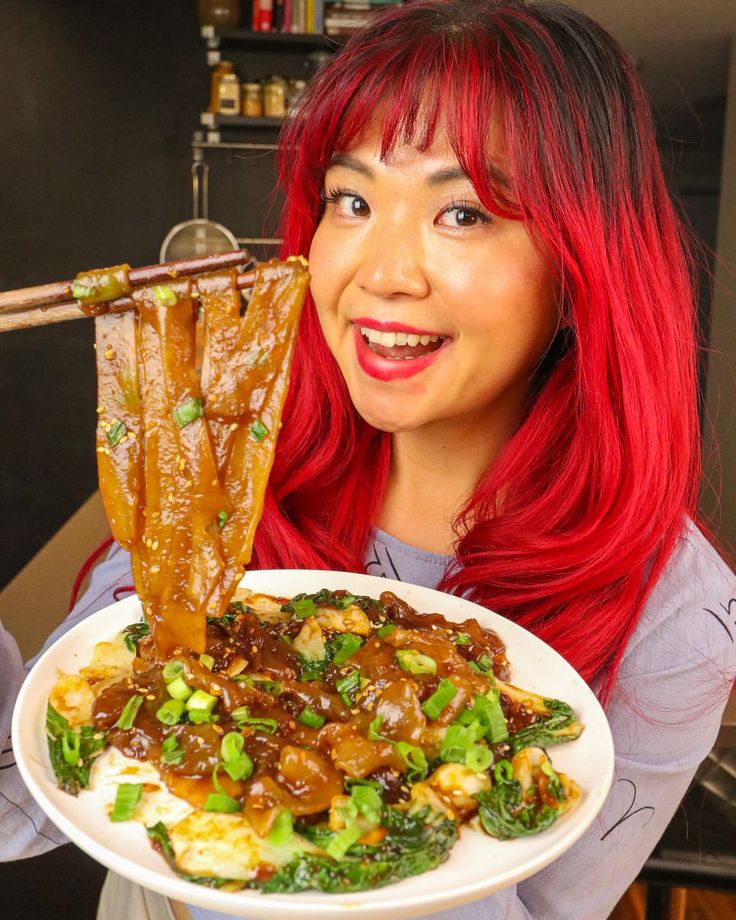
494	390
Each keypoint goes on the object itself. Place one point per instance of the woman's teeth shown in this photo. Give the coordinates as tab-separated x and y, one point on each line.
390	339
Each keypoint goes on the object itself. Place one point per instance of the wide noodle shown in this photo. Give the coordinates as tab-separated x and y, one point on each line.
184	457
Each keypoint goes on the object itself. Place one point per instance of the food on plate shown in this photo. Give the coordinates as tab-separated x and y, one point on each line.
184	453
325	741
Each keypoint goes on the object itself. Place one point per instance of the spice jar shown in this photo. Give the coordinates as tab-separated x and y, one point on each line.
294	91
224	67
252	96
274	97
228	95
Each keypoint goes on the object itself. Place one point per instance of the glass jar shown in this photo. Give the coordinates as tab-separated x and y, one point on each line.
294	90
252	99
228	97
219	13
274	97
224	67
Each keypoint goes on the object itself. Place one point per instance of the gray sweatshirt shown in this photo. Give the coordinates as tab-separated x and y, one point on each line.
664	714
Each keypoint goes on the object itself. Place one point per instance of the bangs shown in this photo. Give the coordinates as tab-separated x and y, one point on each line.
442	84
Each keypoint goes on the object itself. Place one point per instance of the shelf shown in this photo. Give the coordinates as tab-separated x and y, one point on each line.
215	122
283	41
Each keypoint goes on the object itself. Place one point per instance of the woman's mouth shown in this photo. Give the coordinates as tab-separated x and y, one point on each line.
396	353
400	346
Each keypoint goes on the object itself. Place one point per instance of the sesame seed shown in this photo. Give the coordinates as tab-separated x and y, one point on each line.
150	696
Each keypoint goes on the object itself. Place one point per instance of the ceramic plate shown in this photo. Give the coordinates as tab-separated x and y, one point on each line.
478	865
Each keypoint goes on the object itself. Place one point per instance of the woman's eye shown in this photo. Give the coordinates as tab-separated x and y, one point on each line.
462	216
346	202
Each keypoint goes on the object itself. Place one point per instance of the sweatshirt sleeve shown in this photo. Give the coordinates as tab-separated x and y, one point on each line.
24	829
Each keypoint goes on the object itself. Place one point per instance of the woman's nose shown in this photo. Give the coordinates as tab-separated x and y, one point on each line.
391	262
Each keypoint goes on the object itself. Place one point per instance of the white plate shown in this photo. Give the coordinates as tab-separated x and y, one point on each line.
478	865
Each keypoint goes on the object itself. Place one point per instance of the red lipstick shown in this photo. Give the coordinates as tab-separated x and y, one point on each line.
392	368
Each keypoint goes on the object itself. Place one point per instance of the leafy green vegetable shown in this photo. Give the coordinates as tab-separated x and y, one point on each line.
505	813
134	633
326	598
160	838
557	727
86	745
414	844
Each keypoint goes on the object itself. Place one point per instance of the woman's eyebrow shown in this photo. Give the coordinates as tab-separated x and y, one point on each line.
450	174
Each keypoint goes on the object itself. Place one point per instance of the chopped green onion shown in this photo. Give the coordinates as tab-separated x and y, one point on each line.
554	785
344	646
350	782
414	662
462	639
474	666
493	715
208	661
237	763
222	517
115	433
130	711
242	718
458	740
81	291
70	747
347	686
165	296
346	601
503	770
126	798
282	829
172	670
305	608
385	630
442	696
369	803
375	727
485	663
219	801
200	701
170	712
478	758
258	430
197	717
415	758
342	841
171	753
189	412
312	674
270	686
311	718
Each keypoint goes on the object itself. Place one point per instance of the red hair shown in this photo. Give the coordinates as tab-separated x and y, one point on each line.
570	528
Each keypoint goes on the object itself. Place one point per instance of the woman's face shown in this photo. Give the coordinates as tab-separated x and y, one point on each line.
435	310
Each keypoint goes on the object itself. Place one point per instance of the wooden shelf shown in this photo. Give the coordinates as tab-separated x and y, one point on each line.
284	41
216	122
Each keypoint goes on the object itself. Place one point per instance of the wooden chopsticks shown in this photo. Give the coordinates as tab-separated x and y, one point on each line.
53	303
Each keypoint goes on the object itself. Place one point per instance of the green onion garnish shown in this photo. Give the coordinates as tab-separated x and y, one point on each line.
171	753
485	663
462	639
478	758
311	718
369	803
242	718
237	764
503	770
179	689
172	670
347	686
305	608
414	662
344	646
115	433
374	728
126	798
200	701
458	740
442	696
385	630
282	829
346	601
208	661
222	517
220	801
81	291
415	759
170	712
165	296
342	841
130	711
189	411
258	430
70	747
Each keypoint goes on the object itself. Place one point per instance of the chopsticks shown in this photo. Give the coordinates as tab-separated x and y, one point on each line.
53	303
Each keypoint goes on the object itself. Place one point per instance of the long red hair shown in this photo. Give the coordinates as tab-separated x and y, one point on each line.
571	526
